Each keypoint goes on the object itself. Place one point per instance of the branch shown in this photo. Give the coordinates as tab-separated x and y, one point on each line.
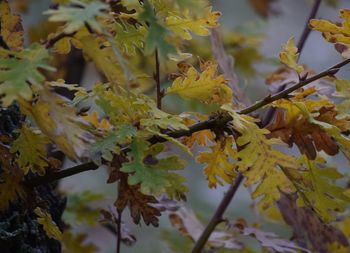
307	29
119	234
219	121
157	79
217	217
215	220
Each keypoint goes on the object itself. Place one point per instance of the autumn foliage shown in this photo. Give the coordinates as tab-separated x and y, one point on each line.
278	147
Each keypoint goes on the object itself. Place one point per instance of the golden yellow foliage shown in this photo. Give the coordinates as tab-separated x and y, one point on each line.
207	86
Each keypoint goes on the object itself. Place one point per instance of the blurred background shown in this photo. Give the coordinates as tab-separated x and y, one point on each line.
254	33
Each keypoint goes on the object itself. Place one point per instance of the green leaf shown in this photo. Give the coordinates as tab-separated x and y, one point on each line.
156	34
19	75
78	15
105	147
154	174
130	38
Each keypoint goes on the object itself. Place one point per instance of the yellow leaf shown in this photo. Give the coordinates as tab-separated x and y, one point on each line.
206	86
219	169
335	32
11	27
93	118
183	25
104	59
60	122
31	148
260	162
50	227
289	56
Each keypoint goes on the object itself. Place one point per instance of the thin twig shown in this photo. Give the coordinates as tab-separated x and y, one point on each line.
212	123
199	245
119	234
157	79
218	215
307	29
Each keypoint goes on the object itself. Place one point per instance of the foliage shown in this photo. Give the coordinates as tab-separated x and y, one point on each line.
283	157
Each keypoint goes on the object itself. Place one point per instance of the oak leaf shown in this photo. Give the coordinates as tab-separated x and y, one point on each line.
11	27
289	56
219	168
78	15
60	122
207	86
140	205
154	174
182	24
17	72
334	32
318	189
50	227
31	147
260	161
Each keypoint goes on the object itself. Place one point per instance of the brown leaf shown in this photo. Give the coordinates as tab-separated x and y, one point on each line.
138	203
308	137
307	227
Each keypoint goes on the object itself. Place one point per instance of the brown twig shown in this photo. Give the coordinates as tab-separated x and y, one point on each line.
212	123
119	234
307	29
214	221
218	215
157	79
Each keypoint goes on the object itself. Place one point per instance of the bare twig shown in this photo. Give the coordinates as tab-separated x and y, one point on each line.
218	215
119	234
157	79
307	29
199	245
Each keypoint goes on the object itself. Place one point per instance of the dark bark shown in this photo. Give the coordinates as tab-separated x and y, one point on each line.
19	230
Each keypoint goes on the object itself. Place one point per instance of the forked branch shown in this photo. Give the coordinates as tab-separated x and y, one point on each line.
212	123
